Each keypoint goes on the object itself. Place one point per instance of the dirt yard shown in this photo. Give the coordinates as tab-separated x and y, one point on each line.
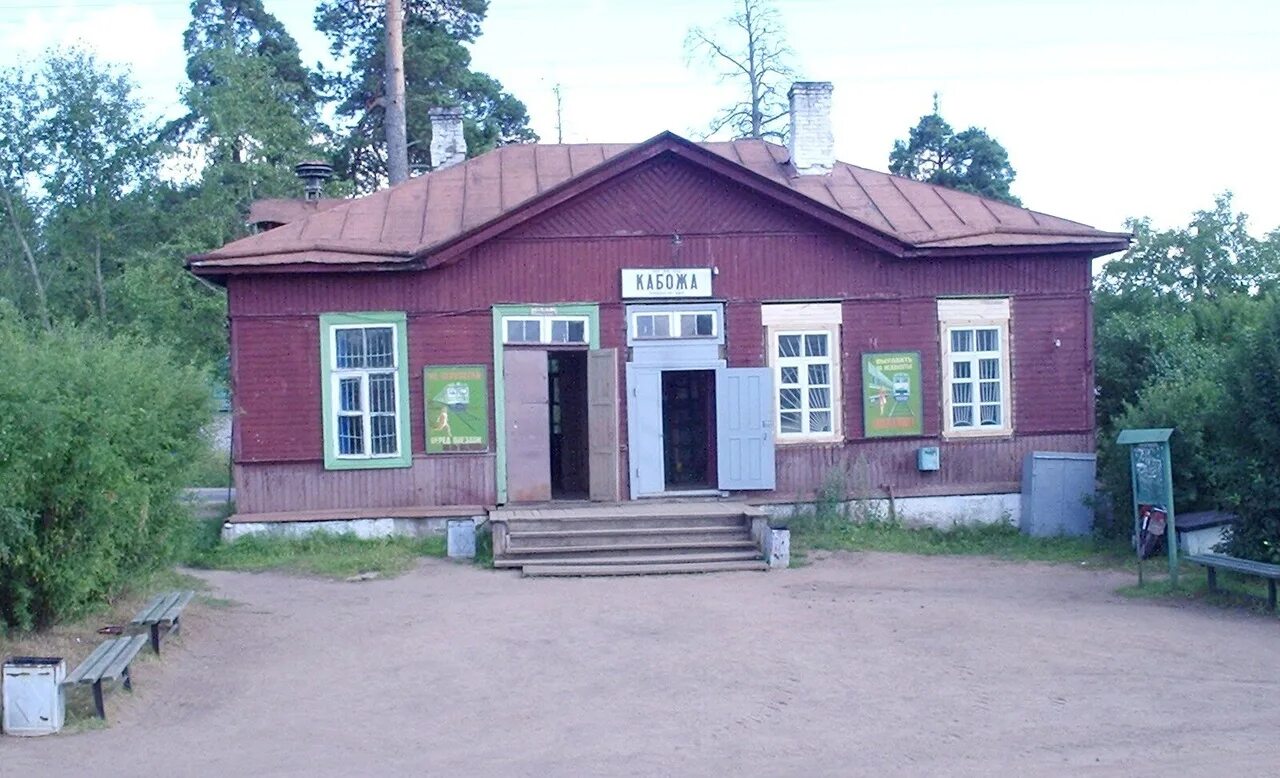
860	664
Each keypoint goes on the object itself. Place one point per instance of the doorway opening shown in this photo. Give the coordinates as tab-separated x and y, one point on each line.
567	416
689	428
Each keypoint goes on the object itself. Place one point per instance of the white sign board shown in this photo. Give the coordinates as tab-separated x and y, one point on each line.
666	282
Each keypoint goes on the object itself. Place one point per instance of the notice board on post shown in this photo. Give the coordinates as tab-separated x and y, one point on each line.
457	406
892	394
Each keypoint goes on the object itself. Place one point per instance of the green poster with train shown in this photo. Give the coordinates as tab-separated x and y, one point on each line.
457	399
892	394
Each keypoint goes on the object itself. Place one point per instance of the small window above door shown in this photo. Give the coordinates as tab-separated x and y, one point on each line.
667	325
541	330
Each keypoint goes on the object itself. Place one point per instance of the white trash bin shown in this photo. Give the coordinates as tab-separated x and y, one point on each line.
34	702
461	538
777	547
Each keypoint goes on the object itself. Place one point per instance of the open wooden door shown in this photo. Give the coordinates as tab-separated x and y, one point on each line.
602	424
744	428
644	431
528	426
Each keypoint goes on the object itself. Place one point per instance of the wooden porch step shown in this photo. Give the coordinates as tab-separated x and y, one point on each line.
630	560
519	542
514	533
728	544
665	568
627	510
644	522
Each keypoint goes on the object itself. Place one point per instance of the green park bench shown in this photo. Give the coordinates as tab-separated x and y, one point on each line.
162	615
1212	562
108	661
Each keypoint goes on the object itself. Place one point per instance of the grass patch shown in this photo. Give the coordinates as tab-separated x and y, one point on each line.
845	515
321	554
1000	540
75	639
484	547
1234	590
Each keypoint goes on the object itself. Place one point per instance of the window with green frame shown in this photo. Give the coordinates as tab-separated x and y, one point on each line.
364	375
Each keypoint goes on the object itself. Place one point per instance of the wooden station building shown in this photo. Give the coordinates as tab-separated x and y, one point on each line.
659	319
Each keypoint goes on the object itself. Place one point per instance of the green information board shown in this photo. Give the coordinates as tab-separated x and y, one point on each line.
892	395
1151	474
457	399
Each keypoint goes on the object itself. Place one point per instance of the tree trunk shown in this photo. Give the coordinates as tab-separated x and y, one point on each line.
753	74
97	272
42	300
393	112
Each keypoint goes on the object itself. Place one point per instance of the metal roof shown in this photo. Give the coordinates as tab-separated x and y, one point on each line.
418	220
1155	435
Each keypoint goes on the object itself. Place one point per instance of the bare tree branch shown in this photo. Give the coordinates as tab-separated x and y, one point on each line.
753	54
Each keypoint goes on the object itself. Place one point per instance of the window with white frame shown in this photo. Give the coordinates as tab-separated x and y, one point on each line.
803	367
975	342
804	352
534	330
662	325
366	387
364	383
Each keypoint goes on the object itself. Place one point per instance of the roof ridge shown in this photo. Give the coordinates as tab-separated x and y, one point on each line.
872	213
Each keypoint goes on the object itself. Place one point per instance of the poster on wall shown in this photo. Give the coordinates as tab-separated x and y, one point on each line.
457	399
892	396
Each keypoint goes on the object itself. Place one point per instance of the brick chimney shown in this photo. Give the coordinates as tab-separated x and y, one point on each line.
812	145
448	144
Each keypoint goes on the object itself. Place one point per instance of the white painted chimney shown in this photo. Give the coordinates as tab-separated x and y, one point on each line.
812	146
448	144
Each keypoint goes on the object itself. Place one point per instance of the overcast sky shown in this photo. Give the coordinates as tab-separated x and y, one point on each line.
1109	108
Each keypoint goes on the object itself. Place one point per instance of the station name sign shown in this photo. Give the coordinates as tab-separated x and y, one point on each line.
666	282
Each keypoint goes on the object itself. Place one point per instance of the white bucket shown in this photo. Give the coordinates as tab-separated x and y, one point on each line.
777	547
462	538
34	702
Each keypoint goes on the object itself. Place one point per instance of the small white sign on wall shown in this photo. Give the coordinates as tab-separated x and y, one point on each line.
666	282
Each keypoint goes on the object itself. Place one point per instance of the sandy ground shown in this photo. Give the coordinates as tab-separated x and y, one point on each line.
860	664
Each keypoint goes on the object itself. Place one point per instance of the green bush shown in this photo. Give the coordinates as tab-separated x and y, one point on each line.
96	437
1189	400
1252	478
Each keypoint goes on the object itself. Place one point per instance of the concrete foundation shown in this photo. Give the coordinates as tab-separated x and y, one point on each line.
938	512
362	528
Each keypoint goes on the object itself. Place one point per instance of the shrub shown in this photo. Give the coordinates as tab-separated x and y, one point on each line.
96	435
1190	402
1251	477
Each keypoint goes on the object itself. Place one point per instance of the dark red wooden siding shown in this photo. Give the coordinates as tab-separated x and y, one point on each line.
670	215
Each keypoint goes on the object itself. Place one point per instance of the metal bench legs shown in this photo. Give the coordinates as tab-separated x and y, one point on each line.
126	680
173	628
1271	586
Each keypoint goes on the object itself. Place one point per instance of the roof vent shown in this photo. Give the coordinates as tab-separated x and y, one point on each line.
314	174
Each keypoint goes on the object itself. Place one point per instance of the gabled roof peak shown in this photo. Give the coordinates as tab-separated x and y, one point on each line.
433	217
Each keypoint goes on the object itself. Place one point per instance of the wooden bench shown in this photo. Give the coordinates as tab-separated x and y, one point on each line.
164	612
108	661
1212	562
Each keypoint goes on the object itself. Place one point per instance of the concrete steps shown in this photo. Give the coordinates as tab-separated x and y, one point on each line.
652	556
628	539
695	546
595	571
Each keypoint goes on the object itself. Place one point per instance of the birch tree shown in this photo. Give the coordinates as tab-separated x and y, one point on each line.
19	161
